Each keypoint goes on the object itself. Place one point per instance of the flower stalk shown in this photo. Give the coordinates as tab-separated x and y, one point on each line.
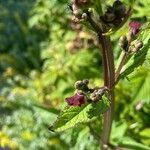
109	80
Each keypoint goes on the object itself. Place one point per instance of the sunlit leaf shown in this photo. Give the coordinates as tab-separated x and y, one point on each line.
74	115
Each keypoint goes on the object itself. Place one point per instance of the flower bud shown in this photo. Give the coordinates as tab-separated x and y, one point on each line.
119	9
82	85
85	81
123	42
78	85
98	93
137	46
109	17
95	97
134	27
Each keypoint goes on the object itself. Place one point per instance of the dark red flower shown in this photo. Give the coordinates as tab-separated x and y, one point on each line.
134	27
76	100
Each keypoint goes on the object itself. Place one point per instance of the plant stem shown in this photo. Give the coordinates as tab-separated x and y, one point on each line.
123	60
109	80
109	77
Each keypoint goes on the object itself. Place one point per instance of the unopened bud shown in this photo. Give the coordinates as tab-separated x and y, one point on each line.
82	85
137	46
119	9
134	28
108	17
94	97
78	85
123	42
85	81
98	93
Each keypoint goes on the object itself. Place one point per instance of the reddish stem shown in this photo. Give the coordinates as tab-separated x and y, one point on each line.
109	77
109	80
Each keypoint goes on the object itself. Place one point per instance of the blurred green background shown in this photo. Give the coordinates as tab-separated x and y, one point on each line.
42	54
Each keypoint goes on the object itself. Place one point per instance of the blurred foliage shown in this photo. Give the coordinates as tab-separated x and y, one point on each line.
42	54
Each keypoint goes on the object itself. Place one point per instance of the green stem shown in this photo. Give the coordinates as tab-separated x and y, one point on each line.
122	63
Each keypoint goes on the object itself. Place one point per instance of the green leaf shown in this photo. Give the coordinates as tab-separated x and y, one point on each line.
141	78
131	145
98	7
72	116
118	131
145	133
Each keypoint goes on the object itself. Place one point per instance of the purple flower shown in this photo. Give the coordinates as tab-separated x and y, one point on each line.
134	27
76	100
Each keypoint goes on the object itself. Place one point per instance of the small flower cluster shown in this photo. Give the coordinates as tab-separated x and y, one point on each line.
128	43
98	93
114	14
85	94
